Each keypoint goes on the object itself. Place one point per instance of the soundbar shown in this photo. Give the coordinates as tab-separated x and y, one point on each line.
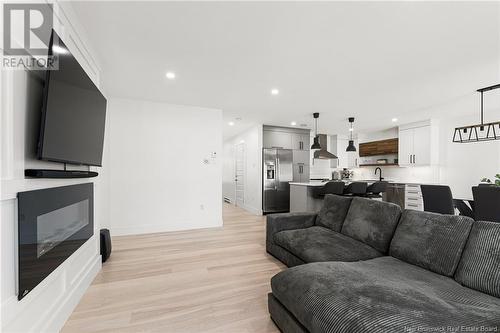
46	173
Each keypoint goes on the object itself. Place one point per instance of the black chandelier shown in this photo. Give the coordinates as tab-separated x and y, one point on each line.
316	144
480	132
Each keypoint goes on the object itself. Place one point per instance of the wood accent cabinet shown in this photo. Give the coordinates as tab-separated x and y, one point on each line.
382	147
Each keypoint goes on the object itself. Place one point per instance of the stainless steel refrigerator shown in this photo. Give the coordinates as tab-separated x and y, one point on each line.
278	172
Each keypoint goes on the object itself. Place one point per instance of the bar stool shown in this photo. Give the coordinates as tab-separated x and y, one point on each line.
332	187
373	191
356	189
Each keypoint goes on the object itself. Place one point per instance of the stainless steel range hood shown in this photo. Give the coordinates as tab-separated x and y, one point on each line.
322	153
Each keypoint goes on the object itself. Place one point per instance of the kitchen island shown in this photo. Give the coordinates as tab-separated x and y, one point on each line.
302	199
302	195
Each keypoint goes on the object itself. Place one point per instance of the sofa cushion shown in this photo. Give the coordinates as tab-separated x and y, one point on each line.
322	244
333	212
479	267
432	241
372	222
381	295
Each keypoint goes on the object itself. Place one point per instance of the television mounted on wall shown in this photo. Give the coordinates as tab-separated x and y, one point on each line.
73	112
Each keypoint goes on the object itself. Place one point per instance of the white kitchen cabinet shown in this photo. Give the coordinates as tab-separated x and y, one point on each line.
405	149
301	156
422	145
415	144
413	197
301	173
277	139
300	141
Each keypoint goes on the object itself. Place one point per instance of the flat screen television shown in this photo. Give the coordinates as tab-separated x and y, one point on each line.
73	112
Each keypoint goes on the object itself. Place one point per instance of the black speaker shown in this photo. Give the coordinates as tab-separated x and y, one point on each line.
105	244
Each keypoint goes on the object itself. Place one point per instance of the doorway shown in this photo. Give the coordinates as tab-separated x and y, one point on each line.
240	174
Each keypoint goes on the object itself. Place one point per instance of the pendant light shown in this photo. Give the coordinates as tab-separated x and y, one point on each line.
316	144
351	146
479	132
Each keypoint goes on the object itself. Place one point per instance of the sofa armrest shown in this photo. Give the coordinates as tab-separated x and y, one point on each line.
287	221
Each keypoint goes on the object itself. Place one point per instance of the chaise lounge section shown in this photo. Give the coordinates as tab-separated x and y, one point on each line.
345	229
439	273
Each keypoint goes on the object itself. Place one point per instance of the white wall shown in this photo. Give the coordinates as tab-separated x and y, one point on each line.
419	174
46	307
463	165
162	173
252	139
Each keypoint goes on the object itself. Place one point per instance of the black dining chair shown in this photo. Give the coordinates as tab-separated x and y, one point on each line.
356	189
331	187
486	203
374	190
437	199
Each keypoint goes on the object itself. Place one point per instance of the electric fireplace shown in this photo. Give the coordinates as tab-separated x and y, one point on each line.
53	223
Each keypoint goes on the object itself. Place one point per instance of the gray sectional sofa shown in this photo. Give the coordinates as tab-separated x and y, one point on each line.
361	265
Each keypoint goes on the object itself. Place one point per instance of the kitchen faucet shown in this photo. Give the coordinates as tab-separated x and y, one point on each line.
379	169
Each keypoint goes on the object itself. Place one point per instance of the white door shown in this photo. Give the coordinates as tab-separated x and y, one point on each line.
240	174
422	145
405	150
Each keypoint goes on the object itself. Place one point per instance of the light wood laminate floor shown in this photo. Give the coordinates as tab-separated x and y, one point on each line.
205	280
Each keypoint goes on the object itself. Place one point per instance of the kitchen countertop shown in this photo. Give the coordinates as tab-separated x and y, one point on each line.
309	184
346	181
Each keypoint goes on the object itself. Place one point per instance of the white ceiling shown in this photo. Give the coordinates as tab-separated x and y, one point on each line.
371	60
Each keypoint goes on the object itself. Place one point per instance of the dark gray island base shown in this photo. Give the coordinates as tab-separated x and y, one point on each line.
302	199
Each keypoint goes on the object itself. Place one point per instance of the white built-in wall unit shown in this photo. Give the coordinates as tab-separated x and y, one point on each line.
165	168
250	141
46	307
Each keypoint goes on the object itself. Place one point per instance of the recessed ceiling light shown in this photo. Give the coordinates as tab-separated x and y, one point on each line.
293	123
231	123
170	75
275	91
394	120
59	49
